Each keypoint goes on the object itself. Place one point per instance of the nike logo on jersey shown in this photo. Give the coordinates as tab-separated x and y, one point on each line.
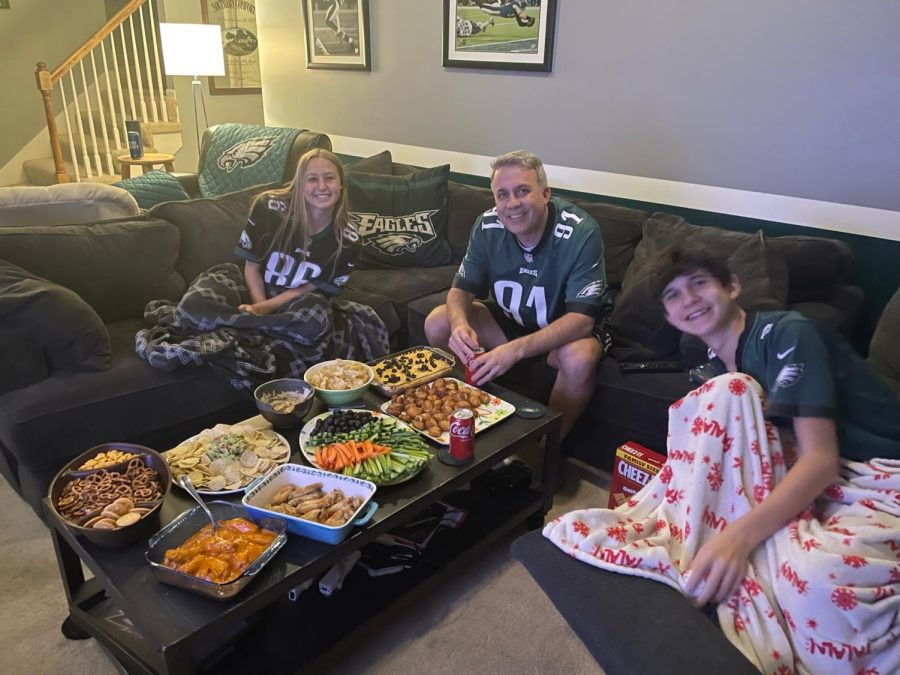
782	355
789	375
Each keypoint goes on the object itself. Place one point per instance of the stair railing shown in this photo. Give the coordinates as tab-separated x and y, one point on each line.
85	79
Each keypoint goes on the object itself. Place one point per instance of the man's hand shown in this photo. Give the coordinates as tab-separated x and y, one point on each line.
494	363
721	563
463	341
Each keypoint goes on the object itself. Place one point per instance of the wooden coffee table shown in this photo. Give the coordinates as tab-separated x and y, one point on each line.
150	627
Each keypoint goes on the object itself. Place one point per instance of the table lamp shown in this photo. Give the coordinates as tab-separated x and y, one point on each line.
193	49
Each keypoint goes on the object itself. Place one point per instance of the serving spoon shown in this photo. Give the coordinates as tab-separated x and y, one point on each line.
185	482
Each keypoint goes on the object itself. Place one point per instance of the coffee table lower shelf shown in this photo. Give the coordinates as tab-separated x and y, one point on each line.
286	635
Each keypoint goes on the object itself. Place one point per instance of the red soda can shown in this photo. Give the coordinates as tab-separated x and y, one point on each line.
478	351
462	436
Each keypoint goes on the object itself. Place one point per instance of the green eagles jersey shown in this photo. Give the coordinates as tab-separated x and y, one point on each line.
810	371
564	273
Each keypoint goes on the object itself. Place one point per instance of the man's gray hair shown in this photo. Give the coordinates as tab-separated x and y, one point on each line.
524	159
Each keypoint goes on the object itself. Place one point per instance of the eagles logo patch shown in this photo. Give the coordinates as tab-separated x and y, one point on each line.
245	241
244	154
789	375
395	235
395	243
592	290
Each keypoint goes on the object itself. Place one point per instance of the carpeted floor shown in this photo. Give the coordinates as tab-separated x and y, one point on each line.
490	618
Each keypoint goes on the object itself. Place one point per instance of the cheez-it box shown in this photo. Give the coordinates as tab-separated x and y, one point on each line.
635	466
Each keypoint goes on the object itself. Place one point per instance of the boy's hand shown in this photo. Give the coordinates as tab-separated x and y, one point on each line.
721	564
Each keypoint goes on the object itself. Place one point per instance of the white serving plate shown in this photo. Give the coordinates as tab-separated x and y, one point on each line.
489	414
260	494
308	450
212	493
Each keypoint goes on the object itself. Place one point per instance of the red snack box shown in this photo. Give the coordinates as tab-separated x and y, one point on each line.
635	466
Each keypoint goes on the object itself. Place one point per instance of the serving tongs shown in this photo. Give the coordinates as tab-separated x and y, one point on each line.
185	482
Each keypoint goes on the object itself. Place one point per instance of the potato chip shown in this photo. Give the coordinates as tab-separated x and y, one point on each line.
216	483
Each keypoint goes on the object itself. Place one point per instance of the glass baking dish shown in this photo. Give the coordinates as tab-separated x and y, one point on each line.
185	525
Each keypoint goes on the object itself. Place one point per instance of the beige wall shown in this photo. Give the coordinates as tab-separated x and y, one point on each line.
64	25
246	108
32	31
771	110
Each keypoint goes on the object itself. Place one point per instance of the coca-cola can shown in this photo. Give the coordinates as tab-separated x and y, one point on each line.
478	351
462	435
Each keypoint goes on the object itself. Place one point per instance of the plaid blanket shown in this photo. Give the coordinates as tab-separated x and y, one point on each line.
205	327
822	595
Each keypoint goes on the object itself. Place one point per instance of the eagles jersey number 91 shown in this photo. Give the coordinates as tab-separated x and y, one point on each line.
563	273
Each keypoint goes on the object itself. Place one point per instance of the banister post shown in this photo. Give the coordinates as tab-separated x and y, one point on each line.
45	86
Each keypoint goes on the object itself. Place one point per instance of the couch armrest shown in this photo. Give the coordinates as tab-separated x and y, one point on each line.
629	624
306	140
21	361
190	182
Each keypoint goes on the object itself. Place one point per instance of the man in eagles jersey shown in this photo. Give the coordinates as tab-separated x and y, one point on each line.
541	259
817	388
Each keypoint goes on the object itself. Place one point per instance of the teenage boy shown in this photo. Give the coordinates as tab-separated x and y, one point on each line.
816	386
541	258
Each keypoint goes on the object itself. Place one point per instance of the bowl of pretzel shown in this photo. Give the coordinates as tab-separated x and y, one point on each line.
112	493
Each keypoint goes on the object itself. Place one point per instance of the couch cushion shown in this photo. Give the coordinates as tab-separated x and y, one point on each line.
815	265
639	328
629	624
466	203
68	413
210	228
402	220
884	356
153	188
622	228
405	285
64	204
117	267
381	163
68	331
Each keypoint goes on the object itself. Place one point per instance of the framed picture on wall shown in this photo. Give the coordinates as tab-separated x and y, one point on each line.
240	44
337	34
499	34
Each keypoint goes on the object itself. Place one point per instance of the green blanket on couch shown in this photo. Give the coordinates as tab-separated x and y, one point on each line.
243	155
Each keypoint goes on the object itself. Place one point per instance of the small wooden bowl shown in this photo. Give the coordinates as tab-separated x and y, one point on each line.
123	536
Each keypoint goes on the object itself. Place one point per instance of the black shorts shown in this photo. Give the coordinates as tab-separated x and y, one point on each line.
512	330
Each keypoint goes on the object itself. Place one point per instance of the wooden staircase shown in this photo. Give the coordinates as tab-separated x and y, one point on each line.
116	75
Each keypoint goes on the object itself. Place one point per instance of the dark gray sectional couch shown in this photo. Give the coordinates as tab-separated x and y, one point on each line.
49	413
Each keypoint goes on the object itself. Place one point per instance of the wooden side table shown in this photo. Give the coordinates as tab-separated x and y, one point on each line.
146	162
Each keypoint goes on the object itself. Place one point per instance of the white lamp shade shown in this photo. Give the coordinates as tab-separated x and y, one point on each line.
192	49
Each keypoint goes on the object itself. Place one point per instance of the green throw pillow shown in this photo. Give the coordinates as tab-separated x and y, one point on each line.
402	220
153	188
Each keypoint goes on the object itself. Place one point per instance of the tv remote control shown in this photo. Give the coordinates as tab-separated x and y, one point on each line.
653	367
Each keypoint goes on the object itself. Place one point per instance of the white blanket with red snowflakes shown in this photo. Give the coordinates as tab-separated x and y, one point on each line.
822	595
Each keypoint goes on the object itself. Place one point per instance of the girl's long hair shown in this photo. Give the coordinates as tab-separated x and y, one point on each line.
296	217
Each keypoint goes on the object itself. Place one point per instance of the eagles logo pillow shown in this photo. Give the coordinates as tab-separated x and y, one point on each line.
401	220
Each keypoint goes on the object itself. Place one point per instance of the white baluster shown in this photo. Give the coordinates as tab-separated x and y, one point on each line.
163	108
137	71
103	130
65	108
90	117
79	125
147	65
134	115
117	141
